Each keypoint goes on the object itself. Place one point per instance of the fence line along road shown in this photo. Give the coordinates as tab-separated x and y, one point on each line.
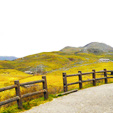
19	97
80	74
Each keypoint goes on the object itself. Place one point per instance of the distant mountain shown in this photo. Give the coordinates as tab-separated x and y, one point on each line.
68	57
93	47
69	49
98	46
7	58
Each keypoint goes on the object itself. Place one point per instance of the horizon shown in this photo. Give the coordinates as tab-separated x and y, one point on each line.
29	27
57	50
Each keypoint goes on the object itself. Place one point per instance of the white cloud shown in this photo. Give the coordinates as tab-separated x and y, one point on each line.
33	26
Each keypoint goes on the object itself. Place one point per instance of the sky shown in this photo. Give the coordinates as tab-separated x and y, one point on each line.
33	26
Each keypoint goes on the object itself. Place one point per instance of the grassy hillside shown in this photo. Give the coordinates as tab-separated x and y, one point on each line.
52	64
66	58
49	61
46	61
69	49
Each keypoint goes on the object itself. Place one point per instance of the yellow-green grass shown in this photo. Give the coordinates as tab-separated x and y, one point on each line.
54	63
54	78
7	76
55	60
49	60
26	105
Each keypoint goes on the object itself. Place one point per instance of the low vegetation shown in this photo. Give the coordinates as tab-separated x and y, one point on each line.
51	64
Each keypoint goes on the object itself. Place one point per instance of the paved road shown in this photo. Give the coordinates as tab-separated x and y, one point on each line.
97	99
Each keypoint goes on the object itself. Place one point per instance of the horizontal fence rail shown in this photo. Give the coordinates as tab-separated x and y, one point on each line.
33	82
7	88
80	74
19	97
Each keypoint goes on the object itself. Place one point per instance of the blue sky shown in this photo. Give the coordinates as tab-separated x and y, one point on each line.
33	26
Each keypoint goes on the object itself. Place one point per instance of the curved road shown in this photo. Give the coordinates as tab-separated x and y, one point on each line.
97	99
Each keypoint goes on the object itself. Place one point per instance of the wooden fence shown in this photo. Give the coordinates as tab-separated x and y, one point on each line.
19	97
80	74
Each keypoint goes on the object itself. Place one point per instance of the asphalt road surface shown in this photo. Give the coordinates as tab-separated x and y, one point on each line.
97	99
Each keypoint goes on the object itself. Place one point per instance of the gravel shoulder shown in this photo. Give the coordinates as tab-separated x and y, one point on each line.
97	99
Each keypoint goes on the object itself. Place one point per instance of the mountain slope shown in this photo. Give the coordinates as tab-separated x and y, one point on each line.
66	58
7	58
47	62
98	46
69	49
93	47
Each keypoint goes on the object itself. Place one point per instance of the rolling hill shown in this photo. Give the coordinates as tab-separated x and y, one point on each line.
68	57
52	64
93	47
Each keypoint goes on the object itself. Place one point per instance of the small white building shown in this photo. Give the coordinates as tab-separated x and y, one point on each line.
28	72
104	60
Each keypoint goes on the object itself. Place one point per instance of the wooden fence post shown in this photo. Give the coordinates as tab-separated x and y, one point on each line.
94	77
105	75
65	82
45	87
18	93
111	72
80	79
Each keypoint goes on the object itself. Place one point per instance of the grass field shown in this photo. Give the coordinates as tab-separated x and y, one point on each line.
54	79
54	64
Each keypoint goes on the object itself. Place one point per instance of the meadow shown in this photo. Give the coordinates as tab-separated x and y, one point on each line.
54	79
55	64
